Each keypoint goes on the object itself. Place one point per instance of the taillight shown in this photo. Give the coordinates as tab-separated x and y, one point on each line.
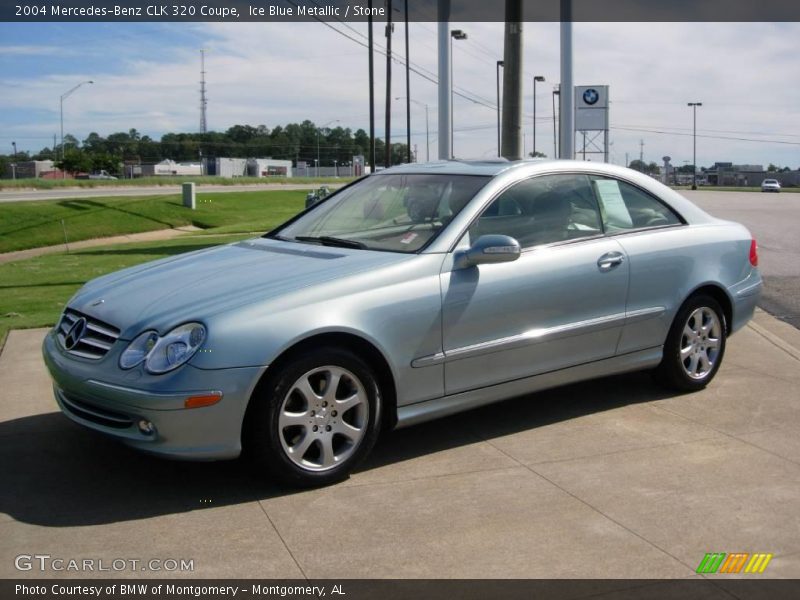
753	253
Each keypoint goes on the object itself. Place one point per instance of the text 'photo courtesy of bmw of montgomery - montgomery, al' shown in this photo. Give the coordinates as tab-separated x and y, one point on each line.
410	294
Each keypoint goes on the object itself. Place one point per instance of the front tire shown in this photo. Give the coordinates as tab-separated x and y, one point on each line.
695	346
315	419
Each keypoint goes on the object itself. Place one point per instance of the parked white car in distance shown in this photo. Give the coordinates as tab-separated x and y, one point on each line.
770	185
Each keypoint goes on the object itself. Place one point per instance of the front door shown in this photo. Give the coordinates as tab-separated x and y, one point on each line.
562	303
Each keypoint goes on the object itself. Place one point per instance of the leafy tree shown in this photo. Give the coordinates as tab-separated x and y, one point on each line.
638	165
105	162
75	161
45	154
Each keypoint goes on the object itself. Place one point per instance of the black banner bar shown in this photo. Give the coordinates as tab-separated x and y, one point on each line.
419	10
391	589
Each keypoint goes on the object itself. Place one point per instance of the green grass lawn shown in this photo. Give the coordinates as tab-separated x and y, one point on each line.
33	291
34	224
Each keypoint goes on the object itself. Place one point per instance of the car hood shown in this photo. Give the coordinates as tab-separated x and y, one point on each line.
196	285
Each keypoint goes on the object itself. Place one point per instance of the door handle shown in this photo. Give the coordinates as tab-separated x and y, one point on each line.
610	260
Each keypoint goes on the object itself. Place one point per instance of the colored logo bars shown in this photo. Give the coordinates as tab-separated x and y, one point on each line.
719	562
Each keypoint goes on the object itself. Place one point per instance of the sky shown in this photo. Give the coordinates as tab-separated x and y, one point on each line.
147	77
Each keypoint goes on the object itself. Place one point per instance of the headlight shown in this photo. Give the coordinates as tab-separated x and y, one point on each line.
138	349
163	354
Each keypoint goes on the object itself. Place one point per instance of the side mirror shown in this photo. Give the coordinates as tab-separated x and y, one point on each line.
489	249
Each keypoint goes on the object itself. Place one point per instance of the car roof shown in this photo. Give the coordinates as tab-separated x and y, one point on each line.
490	167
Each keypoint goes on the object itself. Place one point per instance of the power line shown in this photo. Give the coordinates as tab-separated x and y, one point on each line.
711	137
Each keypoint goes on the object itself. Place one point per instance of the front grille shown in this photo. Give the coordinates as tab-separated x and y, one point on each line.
92	341
92	413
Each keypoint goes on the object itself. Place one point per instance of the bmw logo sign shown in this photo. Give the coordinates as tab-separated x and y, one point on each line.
591	96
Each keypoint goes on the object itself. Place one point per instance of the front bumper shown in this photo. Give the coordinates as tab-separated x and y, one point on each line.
100	396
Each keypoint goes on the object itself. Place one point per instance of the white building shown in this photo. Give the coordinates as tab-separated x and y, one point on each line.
268	167
170	167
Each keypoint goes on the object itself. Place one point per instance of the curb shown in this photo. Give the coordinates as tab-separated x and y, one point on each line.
774	339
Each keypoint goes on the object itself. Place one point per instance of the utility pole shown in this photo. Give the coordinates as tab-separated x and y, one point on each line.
389	27
445	80
499	64
567	112
408	92
371	151
641	151
539	78
511	137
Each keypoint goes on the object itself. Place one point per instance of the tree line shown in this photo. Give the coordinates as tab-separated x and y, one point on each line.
295	141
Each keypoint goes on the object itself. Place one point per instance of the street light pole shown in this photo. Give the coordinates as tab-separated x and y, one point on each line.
535	79
455	34
500	63
694	106
556	92
64	96
14	162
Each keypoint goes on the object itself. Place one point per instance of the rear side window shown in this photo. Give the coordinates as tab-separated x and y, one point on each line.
625	207
542	210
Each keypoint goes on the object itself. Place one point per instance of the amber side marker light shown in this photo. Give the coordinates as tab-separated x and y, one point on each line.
204	400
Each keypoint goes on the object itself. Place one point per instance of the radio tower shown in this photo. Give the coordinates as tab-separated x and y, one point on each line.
203	99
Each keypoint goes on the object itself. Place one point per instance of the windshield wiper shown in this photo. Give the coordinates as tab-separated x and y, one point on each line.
327	240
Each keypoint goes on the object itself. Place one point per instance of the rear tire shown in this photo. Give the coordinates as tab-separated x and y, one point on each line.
314	420
695	346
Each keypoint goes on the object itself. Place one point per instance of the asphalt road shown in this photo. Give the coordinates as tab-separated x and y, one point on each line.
774	220
156	190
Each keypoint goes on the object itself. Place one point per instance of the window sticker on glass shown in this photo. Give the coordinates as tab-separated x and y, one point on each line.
616	212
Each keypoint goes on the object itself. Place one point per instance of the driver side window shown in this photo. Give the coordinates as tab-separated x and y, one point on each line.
542	210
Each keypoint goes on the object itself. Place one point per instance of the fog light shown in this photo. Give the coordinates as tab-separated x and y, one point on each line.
146	427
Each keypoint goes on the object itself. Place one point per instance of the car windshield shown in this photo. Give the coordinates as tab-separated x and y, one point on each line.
395	213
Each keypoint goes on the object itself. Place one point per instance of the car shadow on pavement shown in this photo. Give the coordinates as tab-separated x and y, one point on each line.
58	474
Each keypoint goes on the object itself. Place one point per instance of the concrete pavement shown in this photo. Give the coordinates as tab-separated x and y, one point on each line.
606	479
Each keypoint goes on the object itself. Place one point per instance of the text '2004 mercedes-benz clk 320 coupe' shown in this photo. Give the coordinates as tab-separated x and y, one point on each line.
410	294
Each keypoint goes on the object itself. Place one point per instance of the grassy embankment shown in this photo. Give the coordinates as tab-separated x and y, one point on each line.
35	224
49	184
33	291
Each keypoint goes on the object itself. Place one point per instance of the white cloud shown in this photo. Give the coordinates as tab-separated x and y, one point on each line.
21	50
283	72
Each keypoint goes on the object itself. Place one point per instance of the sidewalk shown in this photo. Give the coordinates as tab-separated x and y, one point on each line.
146	236
612	478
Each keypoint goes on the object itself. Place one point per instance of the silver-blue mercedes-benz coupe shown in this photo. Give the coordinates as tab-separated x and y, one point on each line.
410	294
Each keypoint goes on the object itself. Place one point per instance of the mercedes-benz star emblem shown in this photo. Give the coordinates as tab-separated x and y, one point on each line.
75	334
591	96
